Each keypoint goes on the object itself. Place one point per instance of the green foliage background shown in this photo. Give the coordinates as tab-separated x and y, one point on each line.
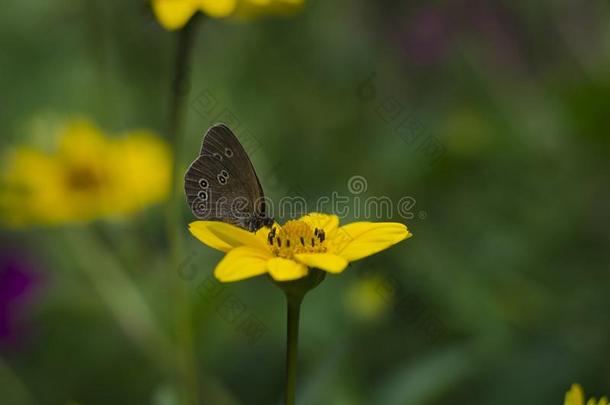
510	253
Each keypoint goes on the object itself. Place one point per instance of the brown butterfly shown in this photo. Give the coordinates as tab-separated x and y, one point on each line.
222	185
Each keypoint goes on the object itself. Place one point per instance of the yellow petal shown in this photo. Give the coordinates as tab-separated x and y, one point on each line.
285	269
174	14
202	232
218	8
324	261
81	141
361	239
224	237
260	2
321	221
134	153
240	263
575	396
603	401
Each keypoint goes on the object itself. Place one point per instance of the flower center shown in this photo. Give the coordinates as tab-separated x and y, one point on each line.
296	237
83	179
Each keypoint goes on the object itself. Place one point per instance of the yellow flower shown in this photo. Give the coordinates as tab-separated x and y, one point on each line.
287	252
576	396
88	176
174	14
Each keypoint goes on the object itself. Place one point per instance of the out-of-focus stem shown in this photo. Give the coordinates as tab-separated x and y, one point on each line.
187	378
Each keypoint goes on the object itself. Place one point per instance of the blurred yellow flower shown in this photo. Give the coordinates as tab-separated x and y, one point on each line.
576	396
367	298
88	176
287	252
174	14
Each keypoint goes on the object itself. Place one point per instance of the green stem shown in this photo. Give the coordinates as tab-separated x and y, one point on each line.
119	293
184	50
294	309
295	291
188	378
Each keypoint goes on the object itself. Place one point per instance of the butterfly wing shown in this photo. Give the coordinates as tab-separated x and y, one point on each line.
221	183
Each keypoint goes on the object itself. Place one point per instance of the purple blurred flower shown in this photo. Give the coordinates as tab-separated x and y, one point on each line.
18	283
490	23
431	31
425	39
